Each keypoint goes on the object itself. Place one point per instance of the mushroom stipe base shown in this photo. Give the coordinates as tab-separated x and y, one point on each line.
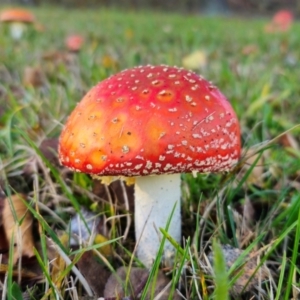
155	198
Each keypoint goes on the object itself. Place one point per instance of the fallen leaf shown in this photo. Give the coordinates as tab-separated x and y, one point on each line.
196	60
54	56
25	274
120	285
17	223
288	141
250	49
33	77
58	59
28	275
93	271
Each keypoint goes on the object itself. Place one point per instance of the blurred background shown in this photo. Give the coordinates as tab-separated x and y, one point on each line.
245	7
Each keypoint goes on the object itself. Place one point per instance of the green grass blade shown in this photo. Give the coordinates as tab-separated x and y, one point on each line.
220	273
293	262
281	278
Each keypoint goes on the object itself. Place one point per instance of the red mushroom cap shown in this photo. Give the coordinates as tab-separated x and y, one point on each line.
17	15
151	120
281	21
283	17
74	42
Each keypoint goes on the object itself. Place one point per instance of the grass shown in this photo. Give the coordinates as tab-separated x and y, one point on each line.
254	208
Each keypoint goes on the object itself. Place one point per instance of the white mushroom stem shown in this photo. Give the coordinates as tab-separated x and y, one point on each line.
17	30
155	198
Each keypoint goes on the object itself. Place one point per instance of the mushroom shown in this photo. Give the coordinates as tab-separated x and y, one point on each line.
153	123
281	21
74	42
18	19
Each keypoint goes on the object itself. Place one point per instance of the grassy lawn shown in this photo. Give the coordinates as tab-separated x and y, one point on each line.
253	210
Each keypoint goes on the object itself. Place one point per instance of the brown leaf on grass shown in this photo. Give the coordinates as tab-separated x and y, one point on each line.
94	272
52	60
118	286
288	141
17	223
26	274
250	49
54	56
33	77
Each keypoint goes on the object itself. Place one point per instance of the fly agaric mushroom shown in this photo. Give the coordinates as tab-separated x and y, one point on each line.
74	42
281	21
17	18
152	122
